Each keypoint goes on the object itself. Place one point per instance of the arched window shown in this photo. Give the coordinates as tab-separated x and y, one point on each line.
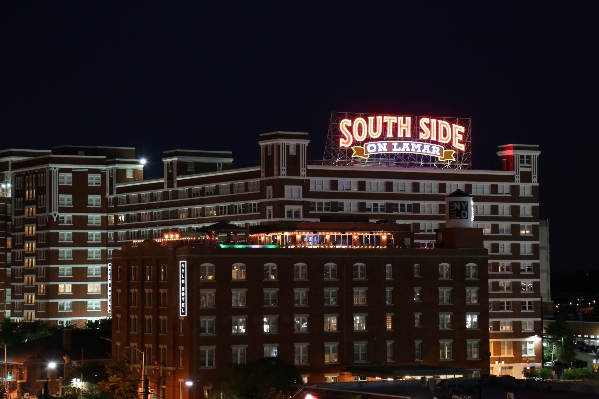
206	271
444	271
300	271
471	270
330	271
359	271
238	271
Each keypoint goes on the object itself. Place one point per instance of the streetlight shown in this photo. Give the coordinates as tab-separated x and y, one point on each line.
51	366
189	383
144	386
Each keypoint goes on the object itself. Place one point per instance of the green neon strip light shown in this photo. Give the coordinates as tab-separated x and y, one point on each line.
247	246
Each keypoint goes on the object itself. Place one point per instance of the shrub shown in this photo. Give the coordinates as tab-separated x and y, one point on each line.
578	374
546	374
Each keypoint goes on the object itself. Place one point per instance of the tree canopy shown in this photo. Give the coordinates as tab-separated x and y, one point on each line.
121	382
14	332
560	341
267	378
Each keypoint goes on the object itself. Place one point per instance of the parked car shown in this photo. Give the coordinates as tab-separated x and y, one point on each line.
582	346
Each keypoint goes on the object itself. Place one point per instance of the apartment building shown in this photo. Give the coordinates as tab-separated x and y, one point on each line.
338	305
56	234
202	187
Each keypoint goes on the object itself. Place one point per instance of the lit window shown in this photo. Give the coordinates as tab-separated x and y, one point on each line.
528	348
271	324
444	271
360	297
238	325
472	320
238	271
417	294
330	322
445	350
300	324
270	271
207	271
359	322
525	229
505	325
331	353
271	350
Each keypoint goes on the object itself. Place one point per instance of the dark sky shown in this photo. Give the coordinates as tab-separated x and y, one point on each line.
214	75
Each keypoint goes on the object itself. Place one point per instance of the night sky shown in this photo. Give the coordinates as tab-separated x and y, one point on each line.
214	75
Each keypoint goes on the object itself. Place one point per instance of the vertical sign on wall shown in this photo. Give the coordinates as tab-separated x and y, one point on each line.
182	288
109	305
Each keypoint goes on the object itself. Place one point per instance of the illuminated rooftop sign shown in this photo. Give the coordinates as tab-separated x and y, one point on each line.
398	140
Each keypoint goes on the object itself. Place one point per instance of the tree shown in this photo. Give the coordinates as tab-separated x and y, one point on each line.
267	378
14	332
560	341
92	374
121	382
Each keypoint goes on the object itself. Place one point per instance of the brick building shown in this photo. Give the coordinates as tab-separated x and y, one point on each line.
56	230
317	299
81	203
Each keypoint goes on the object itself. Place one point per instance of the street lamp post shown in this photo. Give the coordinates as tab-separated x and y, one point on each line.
189	383
144	385
51	366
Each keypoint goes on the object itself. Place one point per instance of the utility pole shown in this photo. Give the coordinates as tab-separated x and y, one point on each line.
144	379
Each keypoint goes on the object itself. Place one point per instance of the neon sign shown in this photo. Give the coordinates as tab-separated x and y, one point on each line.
182	288
109	304
379	134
